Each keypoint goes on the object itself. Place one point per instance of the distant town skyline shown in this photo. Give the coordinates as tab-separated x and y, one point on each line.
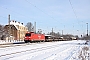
70	16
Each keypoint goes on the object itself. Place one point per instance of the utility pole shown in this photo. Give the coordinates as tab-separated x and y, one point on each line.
35	27
9	26
52	31
87	29
62	32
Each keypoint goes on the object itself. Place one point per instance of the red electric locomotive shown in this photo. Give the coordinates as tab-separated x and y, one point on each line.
31	36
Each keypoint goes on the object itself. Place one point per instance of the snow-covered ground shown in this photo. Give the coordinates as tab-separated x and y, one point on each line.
60	50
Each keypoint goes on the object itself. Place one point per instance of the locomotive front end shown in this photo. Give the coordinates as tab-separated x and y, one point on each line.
27	37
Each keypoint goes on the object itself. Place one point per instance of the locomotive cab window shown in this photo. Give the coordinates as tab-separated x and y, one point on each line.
28	34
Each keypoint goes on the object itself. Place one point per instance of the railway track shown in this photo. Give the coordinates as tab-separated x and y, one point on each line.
32	51
12	55
16	44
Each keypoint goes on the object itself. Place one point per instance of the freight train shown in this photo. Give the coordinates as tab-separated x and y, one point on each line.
33	37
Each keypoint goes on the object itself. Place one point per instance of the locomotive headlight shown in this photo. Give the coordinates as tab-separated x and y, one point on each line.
29	37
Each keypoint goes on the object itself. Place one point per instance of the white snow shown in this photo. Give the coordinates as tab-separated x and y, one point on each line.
16	23
60	50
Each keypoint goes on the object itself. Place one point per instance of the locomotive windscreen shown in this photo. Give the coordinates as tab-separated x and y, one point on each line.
28	34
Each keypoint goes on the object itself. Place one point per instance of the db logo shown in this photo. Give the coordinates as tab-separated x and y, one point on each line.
39	37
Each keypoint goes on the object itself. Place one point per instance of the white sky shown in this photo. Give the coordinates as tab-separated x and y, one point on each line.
48	14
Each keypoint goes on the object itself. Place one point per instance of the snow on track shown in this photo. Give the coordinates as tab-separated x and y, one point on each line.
62	50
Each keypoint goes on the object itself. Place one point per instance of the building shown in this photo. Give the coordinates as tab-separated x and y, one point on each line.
16	30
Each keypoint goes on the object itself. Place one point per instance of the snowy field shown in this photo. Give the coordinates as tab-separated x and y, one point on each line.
60	50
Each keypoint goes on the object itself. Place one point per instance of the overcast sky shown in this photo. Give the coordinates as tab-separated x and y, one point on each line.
70	16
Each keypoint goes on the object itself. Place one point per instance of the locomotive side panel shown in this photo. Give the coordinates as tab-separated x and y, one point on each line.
37	37
29	37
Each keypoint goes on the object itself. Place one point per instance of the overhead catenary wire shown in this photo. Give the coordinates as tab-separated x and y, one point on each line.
73	9
26	16
10	13
3	17
43	11
40	9
20	13
79	22
13	11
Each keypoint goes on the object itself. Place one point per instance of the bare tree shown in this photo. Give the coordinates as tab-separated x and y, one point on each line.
30	26
3	32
